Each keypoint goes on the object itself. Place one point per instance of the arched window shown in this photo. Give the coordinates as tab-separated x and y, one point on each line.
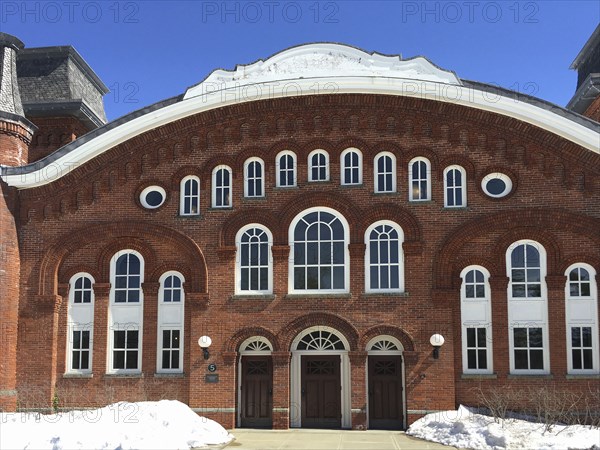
476	318
581	313
80	324
384	261
126	312
419	179
318	166
351	163
254	183
171	301
254	263
190	196
286	169
319	252
455	187
385	172
221	193
527	307
320	340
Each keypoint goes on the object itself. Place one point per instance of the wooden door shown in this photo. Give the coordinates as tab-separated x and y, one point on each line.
321	392
257	391
385	392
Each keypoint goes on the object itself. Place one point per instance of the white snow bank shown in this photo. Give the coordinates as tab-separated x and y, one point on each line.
167	424
464	429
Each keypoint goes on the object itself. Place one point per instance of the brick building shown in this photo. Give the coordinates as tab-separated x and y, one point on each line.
359	239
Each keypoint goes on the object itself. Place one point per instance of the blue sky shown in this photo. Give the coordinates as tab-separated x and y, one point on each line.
146	51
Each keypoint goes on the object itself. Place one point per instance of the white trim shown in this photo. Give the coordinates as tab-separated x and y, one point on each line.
463	186
582	311
170	316
80	317
343	167
294	170
384	337
346	226
376	172
219	96
296	376
261	179
310	165
149	189
238	268
411	194
367	261
497	175
214	187
183	196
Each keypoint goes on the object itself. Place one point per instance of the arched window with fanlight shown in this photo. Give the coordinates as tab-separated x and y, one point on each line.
80	324
581	313
170	323
254	267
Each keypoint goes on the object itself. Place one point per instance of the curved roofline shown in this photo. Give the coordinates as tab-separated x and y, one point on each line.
553	118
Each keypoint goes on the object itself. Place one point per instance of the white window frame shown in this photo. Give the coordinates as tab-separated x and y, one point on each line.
582	311
126	316
238	261
216	189
293	170
171	316
257	181
476	312
528	312
367	264
450	190
310	165
376	173
346	265
411	196
80	317
351	168
187	200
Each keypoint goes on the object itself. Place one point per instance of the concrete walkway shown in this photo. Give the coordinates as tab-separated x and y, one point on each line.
326	440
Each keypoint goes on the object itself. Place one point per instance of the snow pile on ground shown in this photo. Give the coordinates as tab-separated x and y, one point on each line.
167	424
464	429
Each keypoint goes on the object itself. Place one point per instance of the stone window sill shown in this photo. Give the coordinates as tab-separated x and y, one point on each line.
318	295
582	376
522	376
479	376
169	375
124	375
266	297
78	375
385	294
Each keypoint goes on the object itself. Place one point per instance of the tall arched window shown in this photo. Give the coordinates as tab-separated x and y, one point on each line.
384	260
254	178
171	301
125	312
190	196
254	263
319	252
385	172
351	163
318	166
419	179
527	308
286	169
476	318
581	313
455	187
221	192
80	324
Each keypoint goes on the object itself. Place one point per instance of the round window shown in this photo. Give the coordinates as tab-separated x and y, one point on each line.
152	197
496	185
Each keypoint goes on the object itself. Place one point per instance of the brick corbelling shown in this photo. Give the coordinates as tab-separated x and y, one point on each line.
16	130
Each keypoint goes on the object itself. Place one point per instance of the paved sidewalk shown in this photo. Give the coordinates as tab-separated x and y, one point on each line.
302	439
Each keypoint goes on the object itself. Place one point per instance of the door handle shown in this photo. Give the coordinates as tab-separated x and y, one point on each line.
271	391
303	391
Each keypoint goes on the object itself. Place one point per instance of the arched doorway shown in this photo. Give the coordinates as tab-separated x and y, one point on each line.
385	384
320	379
255	388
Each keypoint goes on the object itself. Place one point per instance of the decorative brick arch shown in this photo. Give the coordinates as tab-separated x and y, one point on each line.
353	142
246	216
535	224
405	339
458	160
119	244
251	152
281	146
388	211
308	200
581	257
291	330
128	235
494	267
322	144
233	344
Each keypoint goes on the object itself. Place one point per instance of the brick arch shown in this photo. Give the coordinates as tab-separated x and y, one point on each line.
388	211
405	339
246	216
183	172
542	236
121	243
532	224
581	257
136	235
250	152
292	329
176	266
423	152
65	275
331	200
282	145
222	160
460	160
315	144
353	142
233	344
494	267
